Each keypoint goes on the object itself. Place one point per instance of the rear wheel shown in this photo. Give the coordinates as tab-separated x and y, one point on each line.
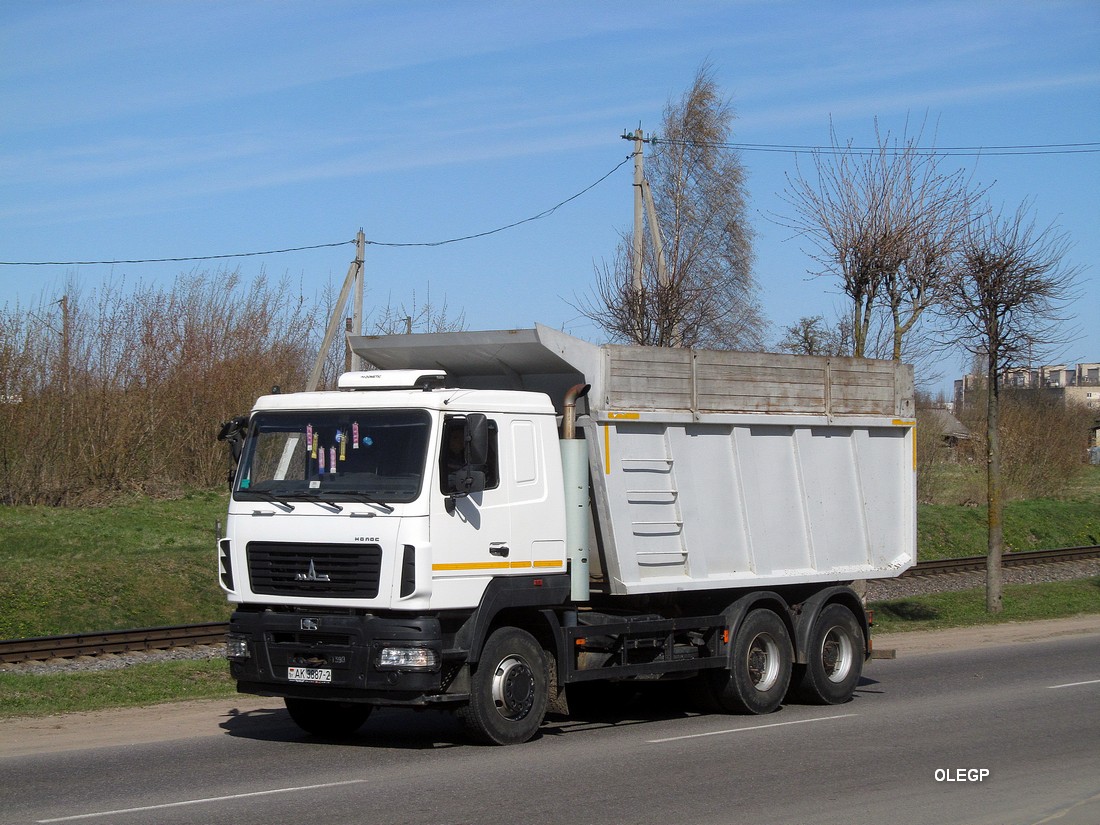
834	658
331	719
760	667
508	690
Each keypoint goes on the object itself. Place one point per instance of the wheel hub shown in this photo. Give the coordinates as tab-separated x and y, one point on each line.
763	662
513	688
837	655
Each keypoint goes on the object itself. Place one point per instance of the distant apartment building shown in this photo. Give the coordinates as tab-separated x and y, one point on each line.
1079	384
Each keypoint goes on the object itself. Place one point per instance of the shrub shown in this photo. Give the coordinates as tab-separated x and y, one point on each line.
1043	441
125	389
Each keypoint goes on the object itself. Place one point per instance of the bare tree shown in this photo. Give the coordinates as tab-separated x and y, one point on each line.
1005	304
887	224
706	295
388	319
814	336
416	317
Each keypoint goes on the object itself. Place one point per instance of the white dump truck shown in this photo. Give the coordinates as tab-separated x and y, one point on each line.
496	521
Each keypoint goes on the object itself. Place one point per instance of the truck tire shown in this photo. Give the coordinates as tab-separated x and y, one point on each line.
834	658
760	666
508	690
329	719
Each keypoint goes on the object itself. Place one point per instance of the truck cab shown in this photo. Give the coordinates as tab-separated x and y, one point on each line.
364	525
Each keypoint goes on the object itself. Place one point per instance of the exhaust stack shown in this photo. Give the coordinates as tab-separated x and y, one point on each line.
574	459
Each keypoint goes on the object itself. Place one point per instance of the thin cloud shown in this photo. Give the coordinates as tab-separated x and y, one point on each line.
930	99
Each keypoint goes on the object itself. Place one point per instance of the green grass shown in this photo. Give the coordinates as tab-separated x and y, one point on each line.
946	531
1022	603
138	563
47	694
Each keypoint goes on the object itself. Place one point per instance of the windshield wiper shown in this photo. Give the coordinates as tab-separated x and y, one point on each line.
367	498
318	498
326	498
266	495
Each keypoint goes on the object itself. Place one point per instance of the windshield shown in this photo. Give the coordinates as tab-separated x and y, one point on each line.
370	455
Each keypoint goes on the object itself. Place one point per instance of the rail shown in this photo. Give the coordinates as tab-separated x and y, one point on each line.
941	567
162	638
112	641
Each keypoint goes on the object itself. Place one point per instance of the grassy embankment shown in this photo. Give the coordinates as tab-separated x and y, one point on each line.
953	531
146	563
139	563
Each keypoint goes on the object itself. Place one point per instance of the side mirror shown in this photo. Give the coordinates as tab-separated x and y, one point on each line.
470	477
477	439
232	432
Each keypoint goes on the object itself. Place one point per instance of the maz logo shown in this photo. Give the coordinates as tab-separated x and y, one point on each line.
312	575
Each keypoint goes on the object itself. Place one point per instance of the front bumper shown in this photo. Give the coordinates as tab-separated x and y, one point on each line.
347	649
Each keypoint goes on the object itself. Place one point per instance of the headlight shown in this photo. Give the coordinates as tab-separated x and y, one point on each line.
236	647
408	658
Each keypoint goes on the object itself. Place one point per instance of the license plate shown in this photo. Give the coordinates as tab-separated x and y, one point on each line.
309	674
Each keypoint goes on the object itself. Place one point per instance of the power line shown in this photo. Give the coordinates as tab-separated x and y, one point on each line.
175	260
539	216
947	151
543	214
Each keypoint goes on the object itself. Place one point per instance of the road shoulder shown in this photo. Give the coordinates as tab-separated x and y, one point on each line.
127	726
917	642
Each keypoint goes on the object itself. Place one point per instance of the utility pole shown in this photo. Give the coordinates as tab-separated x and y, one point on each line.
66	366
655	232
357	294
354	278
348	365
639	180
67	404
643	204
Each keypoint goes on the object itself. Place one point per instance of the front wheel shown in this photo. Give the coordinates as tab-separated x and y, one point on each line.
760	667
508	690
328	719
834	658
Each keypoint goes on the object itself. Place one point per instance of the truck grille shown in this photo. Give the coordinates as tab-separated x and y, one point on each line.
321	570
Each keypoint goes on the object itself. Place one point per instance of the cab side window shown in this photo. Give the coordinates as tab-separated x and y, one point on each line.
453	454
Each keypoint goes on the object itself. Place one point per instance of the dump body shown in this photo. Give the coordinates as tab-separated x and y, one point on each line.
713	470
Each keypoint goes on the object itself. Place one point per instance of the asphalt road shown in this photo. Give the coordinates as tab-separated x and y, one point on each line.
996	734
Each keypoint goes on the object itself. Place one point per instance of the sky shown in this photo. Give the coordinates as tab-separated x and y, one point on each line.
170	129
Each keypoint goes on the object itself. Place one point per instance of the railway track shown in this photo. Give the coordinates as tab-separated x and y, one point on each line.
943	567
162	638
112	641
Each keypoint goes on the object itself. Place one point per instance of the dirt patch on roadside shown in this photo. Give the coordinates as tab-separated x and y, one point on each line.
126	726
916	642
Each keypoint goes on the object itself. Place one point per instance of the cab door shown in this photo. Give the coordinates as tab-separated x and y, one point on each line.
471	534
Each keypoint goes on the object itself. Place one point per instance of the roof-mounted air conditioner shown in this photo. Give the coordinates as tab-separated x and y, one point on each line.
392	380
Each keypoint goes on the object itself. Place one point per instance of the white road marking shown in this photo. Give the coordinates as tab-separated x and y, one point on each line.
1074	684
201	801
754	727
